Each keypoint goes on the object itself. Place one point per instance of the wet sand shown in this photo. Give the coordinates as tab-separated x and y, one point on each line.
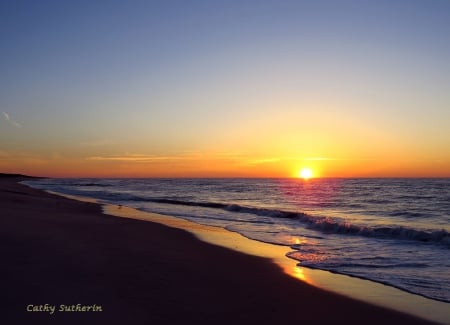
58	251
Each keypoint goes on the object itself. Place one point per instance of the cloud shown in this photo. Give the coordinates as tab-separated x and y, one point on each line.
180	157
138	158
231	157
264	161
16	158
10	121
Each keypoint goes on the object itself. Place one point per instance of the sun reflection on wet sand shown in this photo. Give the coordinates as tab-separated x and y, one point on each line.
298	273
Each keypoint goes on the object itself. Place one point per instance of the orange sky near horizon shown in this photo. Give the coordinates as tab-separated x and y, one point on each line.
278	144
223	167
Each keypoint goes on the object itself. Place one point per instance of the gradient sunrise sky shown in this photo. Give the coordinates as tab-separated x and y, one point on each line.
225	88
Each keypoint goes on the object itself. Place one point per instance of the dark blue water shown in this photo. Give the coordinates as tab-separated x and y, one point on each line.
393	231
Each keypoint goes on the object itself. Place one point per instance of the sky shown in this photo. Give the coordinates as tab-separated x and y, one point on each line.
231	88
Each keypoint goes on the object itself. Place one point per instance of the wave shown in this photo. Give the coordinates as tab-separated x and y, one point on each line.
407	214
322	224
388	282
91	184
341	266
228	219
326	224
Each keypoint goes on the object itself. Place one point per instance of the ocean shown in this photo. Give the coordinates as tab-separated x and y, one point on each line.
391	231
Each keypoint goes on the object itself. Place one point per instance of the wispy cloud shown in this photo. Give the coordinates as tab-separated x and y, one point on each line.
138	158
177	157
21	158
229	157
336	159
276	159
263	161
271	160
10	121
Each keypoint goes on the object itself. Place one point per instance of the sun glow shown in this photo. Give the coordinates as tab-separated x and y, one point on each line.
306	173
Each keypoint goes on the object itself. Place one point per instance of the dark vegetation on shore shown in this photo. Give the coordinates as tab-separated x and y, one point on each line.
5	175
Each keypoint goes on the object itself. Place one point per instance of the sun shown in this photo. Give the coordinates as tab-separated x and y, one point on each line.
305	173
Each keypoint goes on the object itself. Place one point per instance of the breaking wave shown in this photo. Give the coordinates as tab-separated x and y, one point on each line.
327	224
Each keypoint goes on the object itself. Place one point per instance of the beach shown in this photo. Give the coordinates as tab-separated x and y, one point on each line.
65	262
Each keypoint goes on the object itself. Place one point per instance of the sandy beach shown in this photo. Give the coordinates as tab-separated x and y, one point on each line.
65	262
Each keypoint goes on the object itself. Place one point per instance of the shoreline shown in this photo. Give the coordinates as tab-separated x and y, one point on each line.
365	290
60	251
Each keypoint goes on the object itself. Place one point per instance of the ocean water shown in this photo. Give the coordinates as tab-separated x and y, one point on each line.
392	231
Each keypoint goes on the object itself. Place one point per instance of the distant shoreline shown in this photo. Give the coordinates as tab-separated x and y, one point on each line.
6	175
